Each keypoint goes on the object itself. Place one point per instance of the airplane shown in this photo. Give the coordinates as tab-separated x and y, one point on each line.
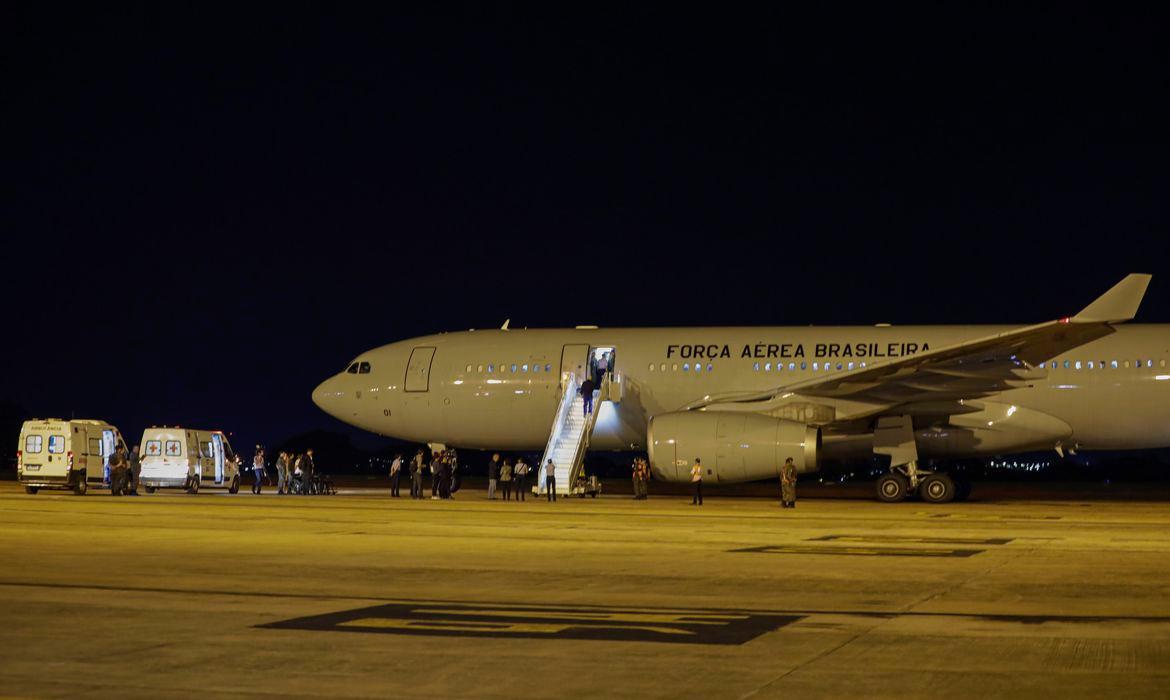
744	399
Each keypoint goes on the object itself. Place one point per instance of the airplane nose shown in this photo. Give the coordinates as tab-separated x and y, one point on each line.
325	396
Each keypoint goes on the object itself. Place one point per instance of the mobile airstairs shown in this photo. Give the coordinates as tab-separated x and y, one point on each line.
571	430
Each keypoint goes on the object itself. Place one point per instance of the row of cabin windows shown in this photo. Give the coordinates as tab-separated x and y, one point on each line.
818	366
686	367
504	367
1101	364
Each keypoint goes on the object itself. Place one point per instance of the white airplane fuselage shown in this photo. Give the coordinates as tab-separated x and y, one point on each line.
1112	393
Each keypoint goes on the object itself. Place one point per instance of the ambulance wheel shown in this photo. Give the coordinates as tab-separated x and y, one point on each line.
235	487
892	488
151	489
80	486
937	488
31	490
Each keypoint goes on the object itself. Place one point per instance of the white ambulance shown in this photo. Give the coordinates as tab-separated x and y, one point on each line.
188	459
66	454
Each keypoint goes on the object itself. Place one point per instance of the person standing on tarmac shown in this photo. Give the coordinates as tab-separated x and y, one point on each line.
416	470
788	484
493	476
135	471
281	473
506	479
550	481
395	474
309	467
521	478
258	470
697	481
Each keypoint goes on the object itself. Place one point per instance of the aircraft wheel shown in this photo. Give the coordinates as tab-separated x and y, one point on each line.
235	487
892	488
31	490
937	488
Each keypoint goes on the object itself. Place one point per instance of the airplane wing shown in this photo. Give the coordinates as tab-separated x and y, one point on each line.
965	370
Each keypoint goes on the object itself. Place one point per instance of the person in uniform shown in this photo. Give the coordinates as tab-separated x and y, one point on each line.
788	484
135	471
697	482
118	469
281	473
644	478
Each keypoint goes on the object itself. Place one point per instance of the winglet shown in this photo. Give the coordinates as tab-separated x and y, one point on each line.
1118	304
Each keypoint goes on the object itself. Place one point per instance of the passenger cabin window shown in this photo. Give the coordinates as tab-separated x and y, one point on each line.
353	369
56	444
33	444
174	448
153	448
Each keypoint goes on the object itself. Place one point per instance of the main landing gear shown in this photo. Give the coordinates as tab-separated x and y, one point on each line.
931	486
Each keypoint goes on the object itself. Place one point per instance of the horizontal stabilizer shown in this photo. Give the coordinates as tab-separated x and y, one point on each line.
1118	304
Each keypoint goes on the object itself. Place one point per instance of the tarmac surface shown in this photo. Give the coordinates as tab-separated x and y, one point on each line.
359	595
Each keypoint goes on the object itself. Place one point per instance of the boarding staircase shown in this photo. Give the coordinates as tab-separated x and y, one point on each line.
569	437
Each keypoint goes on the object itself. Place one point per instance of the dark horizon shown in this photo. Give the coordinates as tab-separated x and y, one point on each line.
209	213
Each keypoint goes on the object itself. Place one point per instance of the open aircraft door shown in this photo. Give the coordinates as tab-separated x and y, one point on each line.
418	369
575	360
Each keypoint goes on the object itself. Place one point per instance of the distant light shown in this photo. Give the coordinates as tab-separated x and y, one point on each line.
1162	377
1011	410
495	381
458	382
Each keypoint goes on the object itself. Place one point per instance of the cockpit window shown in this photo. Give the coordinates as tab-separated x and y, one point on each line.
364	368
353	369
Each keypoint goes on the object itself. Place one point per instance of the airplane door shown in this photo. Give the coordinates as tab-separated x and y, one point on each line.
418	369
575	359
217	455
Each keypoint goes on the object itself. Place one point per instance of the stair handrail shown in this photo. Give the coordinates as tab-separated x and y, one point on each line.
569	382
583	445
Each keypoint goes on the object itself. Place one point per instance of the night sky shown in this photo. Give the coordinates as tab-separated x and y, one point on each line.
205	213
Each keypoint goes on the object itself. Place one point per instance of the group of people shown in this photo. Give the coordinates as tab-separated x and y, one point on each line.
505	476
295	474
443	469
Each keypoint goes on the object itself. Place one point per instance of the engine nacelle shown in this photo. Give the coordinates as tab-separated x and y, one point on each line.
732	446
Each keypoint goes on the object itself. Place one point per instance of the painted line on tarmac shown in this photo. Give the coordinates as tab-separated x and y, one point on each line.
846	551
557	623
912	539
1035	619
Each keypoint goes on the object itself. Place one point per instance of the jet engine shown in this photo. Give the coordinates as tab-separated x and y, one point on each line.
732	446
